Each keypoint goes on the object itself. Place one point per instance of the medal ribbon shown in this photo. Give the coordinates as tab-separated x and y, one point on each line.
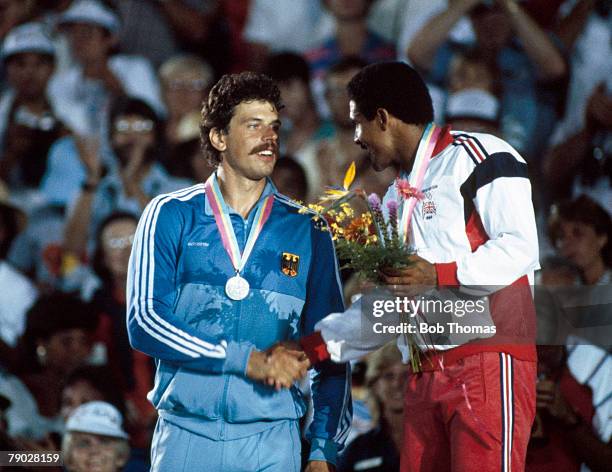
421	163
224	224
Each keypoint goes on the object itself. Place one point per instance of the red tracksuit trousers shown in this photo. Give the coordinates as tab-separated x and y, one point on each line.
474	415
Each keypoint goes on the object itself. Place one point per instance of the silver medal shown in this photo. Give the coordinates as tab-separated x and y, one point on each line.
237	288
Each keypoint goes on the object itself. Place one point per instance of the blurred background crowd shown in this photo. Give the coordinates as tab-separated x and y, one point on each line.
99	113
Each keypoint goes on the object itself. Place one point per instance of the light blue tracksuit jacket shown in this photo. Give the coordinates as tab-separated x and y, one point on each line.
179	314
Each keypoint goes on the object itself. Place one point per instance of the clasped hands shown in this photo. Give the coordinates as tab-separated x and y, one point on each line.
410	280
279	366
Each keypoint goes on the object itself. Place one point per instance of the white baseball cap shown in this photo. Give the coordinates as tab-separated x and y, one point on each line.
97	418
29	37
472	104
91	12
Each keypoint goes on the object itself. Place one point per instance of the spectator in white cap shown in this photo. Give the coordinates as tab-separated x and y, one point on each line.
28	122
474	110
95	439
84	89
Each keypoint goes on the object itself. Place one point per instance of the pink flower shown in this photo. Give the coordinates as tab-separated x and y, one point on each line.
406	191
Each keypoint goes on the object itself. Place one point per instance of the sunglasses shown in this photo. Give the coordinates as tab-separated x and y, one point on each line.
136	126
120	242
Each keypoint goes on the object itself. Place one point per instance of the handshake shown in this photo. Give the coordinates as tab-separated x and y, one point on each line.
279	366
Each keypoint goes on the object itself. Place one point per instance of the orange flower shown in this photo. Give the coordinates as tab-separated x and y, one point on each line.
359	230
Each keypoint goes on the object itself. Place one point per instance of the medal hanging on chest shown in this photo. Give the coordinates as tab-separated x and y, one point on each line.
237	287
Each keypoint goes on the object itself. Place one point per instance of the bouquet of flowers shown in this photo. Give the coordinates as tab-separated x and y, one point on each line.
368	241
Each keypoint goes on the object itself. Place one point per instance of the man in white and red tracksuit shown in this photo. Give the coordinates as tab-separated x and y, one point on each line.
473	225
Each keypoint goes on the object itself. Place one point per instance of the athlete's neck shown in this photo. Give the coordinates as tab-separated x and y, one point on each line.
239	192
409	137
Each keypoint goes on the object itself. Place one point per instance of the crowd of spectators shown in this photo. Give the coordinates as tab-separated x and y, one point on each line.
99	112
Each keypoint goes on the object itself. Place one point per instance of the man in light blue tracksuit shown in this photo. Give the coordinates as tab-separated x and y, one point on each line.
220	273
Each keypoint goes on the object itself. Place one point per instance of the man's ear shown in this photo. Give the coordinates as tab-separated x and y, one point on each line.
217	139
382	118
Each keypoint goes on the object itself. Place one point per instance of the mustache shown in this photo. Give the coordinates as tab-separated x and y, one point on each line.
265	147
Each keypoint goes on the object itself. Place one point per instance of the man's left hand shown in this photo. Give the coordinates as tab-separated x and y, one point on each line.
319	466
419	272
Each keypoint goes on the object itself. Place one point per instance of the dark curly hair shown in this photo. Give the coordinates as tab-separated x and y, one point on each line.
229	92
394	86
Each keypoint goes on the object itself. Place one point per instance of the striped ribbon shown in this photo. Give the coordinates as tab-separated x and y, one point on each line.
421	163
224	224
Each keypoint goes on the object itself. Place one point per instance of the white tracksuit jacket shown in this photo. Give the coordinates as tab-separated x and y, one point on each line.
477	225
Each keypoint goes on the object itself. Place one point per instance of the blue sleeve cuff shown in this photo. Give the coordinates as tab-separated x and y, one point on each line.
323	450
237	357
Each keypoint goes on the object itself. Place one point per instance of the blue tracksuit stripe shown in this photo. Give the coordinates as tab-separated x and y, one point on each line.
148	281
143	293
345	422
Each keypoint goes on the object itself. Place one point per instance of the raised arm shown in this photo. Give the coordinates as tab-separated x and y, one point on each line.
542	52
423	47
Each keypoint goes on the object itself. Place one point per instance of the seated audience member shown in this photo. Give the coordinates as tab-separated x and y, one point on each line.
96	383
473	110
56	341
90	383
335	154
556	274
351	37
591	366
161	30
83	92
28	122
37	250
18	293
580	160
185	81
290	179
471	102
530	65
379	448
582	163
137	144
302	126
581	230
470	70
95	439
562	437
132	369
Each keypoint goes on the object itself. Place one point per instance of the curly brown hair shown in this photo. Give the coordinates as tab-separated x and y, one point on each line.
230	91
